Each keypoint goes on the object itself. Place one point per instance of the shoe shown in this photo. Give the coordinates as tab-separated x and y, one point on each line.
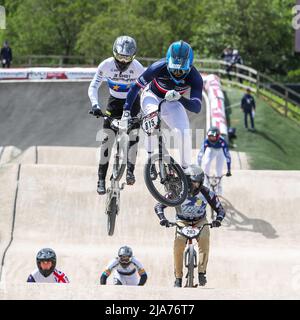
202	279
130	178
178	283
101	187
153	172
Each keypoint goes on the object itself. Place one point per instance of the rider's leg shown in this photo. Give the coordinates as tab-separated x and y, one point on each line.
203	250
133	145
206	162
178	249
115	110
149	104
175	116
219	169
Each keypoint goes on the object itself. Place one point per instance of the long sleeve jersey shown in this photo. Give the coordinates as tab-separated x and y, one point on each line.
220	144
194	208
160	81
118	82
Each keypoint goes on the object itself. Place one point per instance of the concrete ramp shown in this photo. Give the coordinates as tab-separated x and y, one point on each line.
57	206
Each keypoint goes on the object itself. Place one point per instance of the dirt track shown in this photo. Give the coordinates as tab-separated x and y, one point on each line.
48	198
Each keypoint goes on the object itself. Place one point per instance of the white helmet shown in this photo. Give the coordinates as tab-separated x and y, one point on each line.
124	51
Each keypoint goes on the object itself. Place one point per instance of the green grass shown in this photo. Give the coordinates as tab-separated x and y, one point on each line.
275	145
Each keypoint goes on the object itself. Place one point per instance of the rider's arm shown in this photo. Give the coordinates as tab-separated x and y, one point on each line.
196	82
226	154
214	202
141	271
108	270
96	82
201	152
159	210
142	81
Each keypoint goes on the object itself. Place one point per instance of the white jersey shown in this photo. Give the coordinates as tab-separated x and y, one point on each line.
129	275
55	277
118	82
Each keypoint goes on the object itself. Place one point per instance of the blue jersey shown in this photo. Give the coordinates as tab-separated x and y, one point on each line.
194	207
160	81
220	144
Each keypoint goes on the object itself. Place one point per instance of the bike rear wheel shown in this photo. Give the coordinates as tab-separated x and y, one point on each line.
173	189
111	211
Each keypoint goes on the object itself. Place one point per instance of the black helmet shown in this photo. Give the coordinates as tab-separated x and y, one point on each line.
125	255
124	50
46	254
213	134
194	173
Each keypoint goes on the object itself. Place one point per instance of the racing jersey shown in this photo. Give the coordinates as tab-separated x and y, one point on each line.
160	81
118	82
55	277
194	208
220	144
133	267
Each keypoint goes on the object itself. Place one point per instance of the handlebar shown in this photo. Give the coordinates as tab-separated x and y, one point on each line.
175	224
132	120
215	177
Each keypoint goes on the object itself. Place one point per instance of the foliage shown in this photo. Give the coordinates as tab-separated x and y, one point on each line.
261	30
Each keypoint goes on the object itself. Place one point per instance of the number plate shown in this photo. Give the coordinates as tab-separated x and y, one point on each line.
190	232
150	122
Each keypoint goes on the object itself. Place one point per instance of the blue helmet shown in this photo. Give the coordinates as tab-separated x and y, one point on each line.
179	60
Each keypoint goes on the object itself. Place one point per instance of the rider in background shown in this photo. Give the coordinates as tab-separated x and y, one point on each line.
127	269
193	212
169	78
215	146
120	72
46	271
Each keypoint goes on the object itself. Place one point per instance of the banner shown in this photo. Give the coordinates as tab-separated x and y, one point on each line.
216	101
47	73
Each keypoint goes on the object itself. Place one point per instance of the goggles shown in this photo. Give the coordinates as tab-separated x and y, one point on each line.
178	72
125	259
123	58
213	138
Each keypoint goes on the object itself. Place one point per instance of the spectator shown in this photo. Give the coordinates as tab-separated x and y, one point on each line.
6	55
236	59
248	107
227	57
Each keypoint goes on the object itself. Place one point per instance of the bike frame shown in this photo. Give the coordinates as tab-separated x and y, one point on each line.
190	248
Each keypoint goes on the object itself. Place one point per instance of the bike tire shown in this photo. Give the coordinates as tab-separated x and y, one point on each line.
190	275
112	211
120	160
152	189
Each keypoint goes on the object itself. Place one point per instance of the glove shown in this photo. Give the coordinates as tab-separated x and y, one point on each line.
96	111
228	174
125	120
172	95
216	223
164	222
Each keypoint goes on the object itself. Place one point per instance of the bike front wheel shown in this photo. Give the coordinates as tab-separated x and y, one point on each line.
170	186
190	266
120	159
